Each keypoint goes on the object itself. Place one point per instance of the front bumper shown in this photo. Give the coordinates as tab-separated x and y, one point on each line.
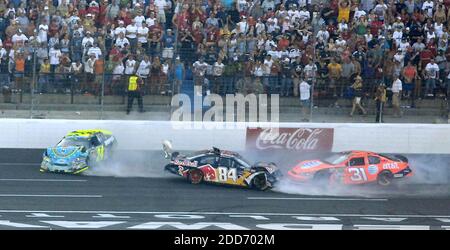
49	167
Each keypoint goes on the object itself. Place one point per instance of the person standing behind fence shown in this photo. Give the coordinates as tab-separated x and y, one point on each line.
358	91
134	91
76	70
99	69
43	76
305	99
380	98
396	96
431	74
19	71
143	70
200	68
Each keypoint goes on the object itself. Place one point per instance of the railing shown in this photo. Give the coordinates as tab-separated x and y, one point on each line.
109	92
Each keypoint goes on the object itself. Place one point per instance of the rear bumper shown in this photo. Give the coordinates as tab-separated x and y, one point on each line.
405	172
298	177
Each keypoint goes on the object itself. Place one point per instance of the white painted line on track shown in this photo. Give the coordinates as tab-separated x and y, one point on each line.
315	199
44	180
53	195
221	213
19	164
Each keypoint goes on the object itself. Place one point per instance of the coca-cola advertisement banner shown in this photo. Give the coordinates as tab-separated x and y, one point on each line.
294	139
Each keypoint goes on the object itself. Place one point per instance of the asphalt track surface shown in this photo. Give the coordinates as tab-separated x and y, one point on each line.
134	193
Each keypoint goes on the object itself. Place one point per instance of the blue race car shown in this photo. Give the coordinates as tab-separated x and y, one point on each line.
78	151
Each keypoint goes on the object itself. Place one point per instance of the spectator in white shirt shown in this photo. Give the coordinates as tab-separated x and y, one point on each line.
132	34
431	74
130	65
305	98
396	94
121	41
19	37
95	50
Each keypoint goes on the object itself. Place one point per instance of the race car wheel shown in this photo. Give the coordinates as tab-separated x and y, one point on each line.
259	182
384	178
195	176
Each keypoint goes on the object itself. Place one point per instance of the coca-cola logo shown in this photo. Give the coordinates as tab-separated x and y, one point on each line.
296	139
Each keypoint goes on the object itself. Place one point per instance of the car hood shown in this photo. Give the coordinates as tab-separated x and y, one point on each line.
65	155
310	166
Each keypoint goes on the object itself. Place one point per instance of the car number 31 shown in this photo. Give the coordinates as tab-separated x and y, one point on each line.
357	174
225	174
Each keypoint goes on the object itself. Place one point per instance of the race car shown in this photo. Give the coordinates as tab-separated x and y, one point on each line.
222	167
78	151
353	167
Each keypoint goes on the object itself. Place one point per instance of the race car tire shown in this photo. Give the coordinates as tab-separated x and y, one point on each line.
259	182
195	176
384	178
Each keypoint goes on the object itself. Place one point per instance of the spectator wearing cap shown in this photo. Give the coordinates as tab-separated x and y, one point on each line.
168	41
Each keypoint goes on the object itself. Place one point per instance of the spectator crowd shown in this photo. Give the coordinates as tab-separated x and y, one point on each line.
246	46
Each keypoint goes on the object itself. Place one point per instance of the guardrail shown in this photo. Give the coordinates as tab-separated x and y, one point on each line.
148	135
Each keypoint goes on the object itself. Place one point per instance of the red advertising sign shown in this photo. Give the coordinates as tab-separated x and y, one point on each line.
295	139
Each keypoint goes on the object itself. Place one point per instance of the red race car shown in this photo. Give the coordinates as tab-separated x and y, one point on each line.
354	167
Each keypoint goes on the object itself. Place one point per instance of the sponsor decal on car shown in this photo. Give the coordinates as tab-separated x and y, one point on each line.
291	139
391	165
311	164
186	163
372	169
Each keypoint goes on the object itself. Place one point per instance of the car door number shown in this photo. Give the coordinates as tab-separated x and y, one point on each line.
357	174
225	174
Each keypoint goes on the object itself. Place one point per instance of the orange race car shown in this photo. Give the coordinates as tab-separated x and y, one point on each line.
353	167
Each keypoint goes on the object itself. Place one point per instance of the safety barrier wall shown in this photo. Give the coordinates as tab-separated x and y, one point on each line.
148	135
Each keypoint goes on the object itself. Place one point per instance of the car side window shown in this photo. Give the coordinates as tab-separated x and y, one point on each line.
358	161
238	165
95	142
211	160
374	160
225	162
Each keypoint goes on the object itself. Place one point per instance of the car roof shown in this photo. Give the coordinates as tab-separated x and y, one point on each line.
88	132
224	153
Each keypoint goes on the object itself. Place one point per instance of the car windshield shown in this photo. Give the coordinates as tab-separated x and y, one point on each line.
336	158
74	141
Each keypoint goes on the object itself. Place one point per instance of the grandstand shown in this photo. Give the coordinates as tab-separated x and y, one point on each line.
69	52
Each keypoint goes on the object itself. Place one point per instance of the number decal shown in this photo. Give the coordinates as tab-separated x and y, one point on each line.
358	174
225	174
